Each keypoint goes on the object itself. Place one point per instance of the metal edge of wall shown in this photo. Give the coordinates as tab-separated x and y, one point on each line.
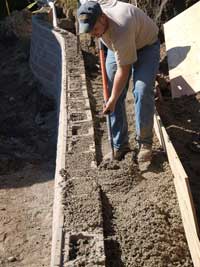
184	196
58	216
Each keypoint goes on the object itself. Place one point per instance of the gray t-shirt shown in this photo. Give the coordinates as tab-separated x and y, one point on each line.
129	29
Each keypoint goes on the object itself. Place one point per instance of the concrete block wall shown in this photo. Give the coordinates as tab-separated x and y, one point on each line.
46	56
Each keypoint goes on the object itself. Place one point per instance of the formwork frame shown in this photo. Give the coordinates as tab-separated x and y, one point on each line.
183	191
182	45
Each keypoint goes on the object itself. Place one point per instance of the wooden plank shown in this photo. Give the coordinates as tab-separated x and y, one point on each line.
182	41
191	235
184	196
182	179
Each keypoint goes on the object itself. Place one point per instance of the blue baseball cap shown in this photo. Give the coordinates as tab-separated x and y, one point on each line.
87	14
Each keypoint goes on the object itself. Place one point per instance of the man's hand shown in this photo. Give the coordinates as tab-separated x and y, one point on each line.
109	106
121	77
120	80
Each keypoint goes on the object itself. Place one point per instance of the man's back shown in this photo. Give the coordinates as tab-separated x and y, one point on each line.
130	29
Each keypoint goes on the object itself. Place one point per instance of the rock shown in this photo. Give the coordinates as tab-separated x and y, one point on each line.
11	99
12	259
93	164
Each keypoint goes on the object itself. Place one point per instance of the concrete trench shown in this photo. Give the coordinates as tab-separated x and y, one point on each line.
111	214
83	234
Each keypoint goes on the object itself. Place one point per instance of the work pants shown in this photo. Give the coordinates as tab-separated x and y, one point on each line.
144	72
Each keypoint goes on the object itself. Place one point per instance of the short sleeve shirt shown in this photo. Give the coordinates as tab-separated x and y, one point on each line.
129	29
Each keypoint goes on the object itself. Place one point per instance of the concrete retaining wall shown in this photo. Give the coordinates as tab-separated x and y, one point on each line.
48	63
46	56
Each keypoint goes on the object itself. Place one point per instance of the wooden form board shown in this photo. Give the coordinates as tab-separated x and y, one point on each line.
183	192
182	39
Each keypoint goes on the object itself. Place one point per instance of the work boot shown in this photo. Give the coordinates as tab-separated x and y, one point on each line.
120	153
145	153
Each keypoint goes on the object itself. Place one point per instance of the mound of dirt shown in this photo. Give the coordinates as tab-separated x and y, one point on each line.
27	116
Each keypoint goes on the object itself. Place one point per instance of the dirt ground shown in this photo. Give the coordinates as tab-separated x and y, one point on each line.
26	215
27	160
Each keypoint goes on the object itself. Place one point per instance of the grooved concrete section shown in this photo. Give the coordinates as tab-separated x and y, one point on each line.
83	242
94	243
81	200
